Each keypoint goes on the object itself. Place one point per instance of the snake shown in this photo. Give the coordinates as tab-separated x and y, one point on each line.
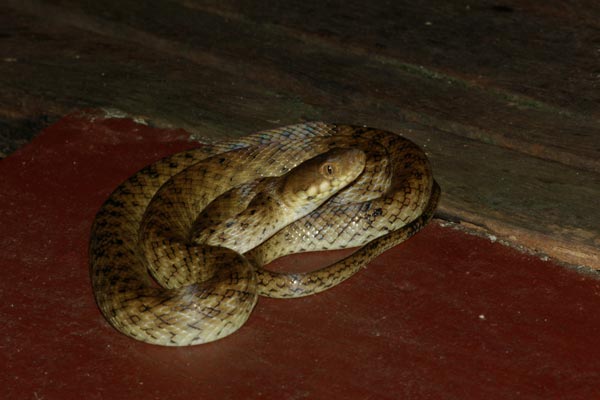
179	251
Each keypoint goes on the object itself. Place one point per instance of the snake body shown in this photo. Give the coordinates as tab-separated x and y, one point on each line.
204	223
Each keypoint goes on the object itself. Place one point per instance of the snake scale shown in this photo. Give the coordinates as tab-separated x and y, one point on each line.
177	252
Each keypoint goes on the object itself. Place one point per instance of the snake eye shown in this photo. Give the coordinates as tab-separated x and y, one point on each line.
328	170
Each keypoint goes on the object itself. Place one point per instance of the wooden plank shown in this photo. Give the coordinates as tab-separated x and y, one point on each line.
485	43
74	68
448	98
218	76
552	114
550	209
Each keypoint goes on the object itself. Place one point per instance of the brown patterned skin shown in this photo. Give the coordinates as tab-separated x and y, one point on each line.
155	222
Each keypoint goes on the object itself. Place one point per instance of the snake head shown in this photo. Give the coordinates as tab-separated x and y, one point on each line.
320	177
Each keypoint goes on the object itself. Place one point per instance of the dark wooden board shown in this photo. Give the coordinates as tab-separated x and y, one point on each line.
480	85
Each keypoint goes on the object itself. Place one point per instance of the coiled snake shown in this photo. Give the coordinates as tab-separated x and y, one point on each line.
204	222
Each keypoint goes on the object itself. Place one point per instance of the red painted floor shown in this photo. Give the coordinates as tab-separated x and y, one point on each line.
442	316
